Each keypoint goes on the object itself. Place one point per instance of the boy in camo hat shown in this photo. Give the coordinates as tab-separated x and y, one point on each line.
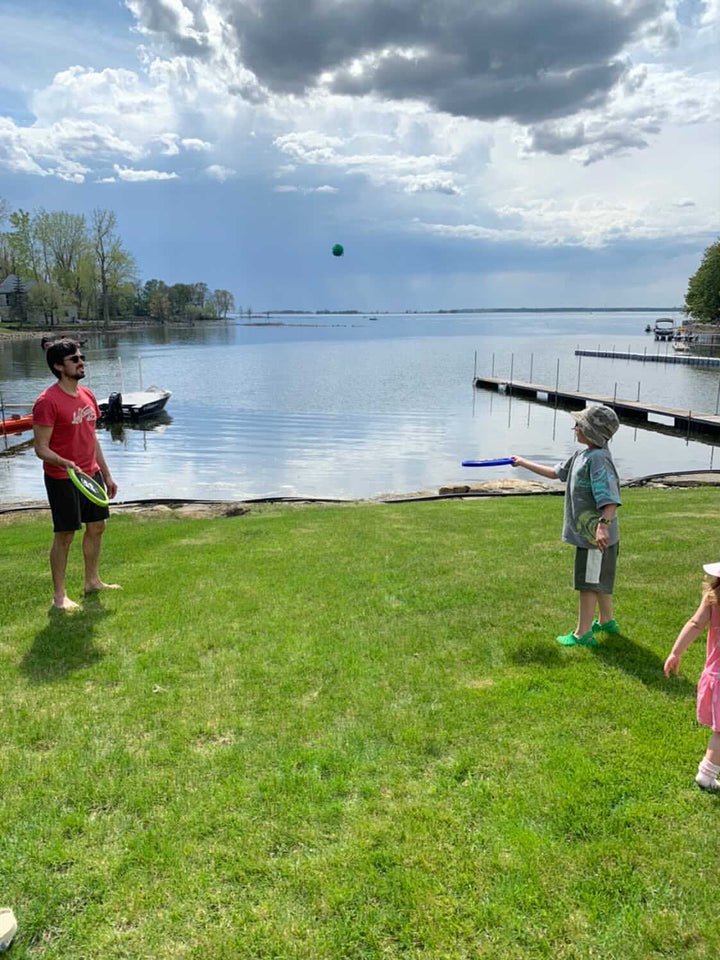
592	496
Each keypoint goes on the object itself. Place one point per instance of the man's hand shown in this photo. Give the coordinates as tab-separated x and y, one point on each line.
110	486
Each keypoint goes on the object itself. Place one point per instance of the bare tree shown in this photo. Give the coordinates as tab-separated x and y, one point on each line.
104	222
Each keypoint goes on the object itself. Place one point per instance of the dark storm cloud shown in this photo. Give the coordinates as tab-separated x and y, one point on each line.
529	60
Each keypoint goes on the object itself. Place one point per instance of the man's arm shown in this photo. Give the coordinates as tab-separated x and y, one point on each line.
42	448
105	470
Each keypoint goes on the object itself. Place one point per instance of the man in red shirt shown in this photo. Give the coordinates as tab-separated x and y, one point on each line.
64	418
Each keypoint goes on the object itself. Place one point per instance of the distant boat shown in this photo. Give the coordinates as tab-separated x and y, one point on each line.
680	346
648	329
664	328
134	406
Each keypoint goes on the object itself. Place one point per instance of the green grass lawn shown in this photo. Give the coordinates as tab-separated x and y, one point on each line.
348	732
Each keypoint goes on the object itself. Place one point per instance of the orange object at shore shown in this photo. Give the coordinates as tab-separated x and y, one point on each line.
16	424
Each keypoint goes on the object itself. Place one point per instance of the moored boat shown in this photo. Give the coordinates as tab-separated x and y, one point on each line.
135	405
16	423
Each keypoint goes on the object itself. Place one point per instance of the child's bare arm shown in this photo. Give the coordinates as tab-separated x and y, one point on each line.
689	633
540	468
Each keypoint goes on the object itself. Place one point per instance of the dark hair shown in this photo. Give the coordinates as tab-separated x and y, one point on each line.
58	350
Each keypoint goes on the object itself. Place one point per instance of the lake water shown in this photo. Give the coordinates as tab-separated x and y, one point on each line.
347	406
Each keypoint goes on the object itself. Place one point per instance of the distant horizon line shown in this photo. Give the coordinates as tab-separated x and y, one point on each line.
475	310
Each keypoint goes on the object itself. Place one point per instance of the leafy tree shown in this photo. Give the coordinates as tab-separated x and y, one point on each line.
46	298
18	302
67	239
159	302
116	267
702	300
121	276
224	302
200	294
25	262
181	295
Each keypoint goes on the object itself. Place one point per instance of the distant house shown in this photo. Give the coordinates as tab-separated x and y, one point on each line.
8	294
9	290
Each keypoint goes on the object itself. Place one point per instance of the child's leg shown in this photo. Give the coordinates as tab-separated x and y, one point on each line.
605	606
709	766
713	750
586	611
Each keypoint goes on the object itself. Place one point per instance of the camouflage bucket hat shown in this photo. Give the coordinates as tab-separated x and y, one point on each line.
598	423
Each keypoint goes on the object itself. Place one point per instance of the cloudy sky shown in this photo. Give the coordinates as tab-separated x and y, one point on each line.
466	152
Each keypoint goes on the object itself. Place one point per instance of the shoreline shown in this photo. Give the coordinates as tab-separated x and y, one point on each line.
208	509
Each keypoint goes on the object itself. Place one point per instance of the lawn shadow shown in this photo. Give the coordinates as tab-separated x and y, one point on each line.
539	654
65	644
623	653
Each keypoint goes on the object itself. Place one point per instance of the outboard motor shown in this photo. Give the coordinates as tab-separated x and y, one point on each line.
114	408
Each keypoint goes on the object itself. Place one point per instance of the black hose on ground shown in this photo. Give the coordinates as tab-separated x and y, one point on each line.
470	494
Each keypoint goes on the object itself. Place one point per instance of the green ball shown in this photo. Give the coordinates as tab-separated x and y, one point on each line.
338	250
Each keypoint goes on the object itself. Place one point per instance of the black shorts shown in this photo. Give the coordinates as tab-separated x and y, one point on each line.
70	508
601	580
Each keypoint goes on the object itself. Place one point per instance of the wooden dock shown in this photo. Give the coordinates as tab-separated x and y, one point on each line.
681	358
628	409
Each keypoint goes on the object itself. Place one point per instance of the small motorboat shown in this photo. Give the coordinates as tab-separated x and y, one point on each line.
134	406
680	346
16	423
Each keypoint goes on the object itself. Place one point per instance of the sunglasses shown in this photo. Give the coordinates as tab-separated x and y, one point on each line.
75	358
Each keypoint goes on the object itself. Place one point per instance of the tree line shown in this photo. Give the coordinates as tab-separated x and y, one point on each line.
702	300
63	261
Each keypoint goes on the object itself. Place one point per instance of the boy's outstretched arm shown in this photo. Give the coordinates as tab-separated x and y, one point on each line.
690	632
540	468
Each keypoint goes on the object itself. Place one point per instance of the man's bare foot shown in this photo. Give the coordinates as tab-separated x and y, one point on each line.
99	585
65	603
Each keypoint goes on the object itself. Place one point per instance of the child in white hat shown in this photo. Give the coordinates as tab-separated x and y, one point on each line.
708	694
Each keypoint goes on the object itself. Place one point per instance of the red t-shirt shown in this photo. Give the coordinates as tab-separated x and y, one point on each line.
73	422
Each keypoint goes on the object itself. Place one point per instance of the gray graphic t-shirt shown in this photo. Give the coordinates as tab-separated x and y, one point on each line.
591	483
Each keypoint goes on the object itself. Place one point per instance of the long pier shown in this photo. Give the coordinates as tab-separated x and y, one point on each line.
573	399
652	357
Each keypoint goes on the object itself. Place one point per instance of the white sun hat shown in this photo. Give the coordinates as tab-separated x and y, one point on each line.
8	927
712	569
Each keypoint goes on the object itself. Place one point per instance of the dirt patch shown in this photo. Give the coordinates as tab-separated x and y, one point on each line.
504	487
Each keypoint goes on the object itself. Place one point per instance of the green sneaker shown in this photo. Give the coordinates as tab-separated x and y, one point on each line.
570	640
610	626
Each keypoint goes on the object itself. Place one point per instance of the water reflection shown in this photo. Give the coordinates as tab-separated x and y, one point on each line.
350	407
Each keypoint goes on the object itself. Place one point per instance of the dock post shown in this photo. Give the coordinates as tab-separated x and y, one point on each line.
579	364
475	368
2	414
717	402
615	394
687	438
493	366
645	355
532	355
512	368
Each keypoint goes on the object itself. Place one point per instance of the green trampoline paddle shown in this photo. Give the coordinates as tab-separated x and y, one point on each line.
93	490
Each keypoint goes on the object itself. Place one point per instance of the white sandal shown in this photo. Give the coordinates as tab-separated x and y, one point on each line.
8	928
